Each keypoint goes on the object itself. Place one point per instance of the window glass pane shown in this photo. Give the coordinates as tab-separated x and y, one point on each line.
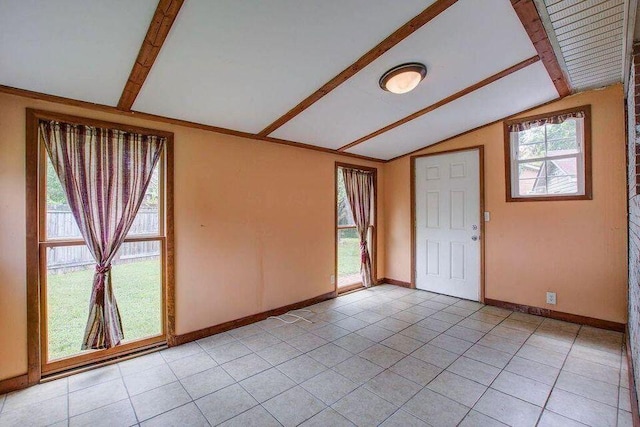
531	136
348	257
62	225
531	151
561	138
345	217
136	279
148	217
530	187
60	221
529	170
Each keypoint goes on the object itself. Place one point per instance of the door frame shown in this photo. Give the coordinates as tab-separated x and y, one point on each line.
480	149
374	235
34	182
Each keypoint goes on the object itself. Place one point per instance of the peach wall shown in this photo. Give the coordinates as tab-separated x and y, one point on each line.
254	225
575	248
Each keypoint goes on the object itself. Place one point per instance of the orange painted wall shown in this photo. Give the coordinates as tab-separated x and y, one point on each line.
254	225
575	248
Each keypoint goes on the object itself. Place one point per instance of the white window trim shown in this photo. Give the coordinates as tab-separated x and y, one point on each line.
580	160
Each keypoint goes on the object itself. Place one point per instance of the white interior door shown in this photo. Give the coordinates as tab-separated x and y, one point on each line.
447	213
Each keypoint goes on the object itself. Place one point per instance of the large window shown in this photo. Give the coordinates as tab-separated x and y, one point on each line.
549	156
140	270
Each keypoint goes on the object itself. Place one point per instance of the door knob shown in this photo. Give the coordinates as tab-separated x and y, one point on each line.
474	238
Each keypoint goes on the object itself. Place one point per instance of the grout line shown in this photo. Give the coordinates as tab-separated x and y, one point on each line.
135	414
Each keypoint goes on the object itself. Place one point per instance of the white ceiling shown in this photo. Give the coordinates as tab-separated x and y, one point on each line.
516	92
80	49
241	64
454	59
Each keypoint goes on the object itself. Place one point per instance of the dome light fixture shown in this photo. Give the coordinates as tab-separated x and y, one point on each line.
403	78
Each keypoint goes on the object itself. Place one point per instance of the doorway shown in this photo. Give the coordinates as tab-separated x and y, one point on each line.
448	231
348	256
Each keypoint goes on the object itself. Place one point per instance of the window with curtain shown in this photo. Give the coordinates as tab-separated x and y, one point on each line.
548	156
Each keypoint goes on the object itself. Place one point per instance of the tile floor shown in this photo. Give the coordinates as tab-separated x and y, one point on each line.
387	356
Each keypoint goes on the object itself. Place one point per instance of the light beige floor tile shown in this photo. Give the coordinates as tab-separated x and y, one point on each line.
216	340
260	341
392	387
364	408
301	368
329	386
225	404
141	363
436	409
351	324
419	333
466	334
592	370
354	343
228	352
551	419
402	418
474	370
508	409
206	382
624	399
476	419
293	406
35	394
624	419
434	324
119	413
452	344
256	416
477	325
375	333
541	355
501	344
147	380
186	415
416	370
582	409
93	377
487	355
267	384
306	342
382	355
327	417
458	388
402	343
587	387
534	370
36	414
180	351
435	355
358	370
159	400
94	397
246	366
279	353
329	354
332	332
523	388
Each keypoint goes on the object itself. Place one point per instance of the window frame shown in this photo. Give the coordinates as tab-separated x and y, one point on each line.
511	163
38	242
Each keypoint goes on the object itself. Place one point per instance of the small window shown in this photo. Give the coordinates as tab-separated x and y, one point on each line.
549	156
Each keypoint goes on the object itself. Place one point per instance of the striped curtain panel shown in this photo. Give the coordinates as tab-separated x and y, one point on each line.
359	188
105	174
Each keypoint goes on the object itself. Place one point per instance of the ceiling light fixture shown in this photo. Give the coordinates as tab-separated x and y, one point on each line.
403	78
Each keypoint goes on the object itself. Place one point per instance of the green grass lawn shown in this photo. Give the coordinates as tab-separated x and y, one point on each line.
137	288
348	256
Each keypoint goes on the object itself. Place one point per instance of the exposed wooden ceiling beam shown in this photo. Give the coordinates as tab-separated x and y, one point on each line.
178	122
396	37
444	101
528	14
161	23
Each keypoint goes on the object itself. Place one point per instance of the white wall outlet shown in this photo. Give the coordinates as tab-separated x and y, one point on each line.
487	216
551	298
333	279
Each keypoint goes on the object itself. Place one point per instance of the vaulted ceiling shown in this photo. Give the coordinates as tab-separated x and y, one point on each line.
307	72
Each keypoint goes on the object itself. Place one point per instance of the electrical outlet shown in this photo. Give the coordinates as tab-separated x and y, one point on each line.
487	216
551	298
333	279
